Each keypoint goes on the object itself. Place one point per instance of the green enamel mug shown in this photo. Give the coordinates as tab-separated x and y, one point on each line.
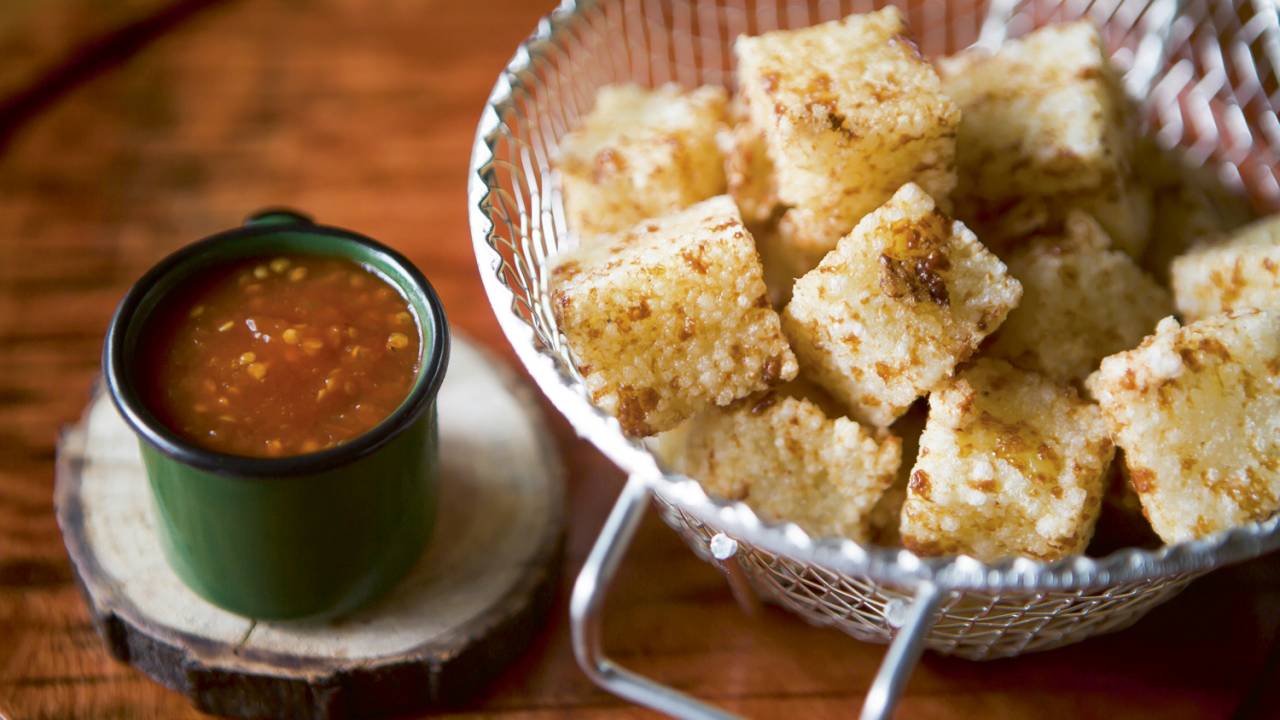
311	535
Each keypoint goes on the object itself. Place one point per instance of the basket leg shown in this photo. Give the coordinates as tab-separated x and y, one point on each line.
587	604
724	550
903	654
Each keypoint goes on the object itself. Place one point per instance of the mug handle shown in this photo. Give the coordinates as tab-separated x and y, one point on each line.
278	216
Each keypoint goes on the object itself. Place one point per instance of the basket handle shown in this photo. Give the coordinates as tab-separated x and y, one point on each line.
585	614
903	654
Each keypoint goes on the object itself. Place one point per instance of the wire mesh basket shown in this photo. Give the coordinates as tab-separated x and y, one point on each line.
1204	74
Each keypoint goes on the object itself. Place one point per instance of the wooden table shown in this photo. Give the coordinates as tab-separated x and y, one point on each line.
191	114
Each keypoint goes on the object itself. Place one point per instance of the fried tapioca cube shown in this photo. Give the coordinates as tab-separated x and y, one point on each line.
1197	411
791	461
1243	271
1010	463
887	315
1081	301
1191	206
670	317
748	169
849	111
641	153
1045	129
784	260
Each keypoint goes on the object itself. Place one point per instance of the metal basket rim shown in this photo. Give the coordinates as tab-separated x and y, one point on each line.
892	566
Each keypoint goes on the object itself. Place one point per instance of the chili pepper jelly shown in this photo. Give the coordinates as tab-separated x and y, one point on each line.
279	356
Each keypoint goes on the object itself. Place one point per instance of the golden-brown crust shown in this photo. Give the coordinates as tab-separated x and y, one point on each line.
1010	463
1239	272
889	313
1197	411
667	318
1081	301
849	112
641	153
782	454
1045	129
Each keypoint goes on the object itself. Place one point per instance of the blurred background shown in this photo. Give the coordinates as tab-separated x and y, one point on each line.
129	128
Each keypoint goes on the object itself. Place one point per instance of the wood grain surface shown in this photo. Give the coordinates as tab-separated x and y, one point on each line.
362	113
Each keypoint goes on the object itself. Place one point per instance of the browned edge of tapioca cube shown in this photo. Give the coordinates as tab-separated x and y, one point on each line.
888	314
671	317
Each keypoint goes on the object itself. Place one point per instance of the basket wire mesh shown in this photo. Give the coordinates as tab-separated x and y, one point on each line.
976	625
1204	75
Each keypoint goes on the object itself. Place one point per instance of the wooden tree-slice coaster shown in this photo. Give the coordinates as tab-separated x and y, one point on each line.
473	602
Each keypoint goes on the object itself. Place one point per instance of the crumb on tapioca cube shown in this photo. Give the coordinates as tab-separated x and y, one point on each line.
1243	271
790	460
1197	411
1045	128
641	153
1010	464
888	314
670	317
1081	301
850	111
